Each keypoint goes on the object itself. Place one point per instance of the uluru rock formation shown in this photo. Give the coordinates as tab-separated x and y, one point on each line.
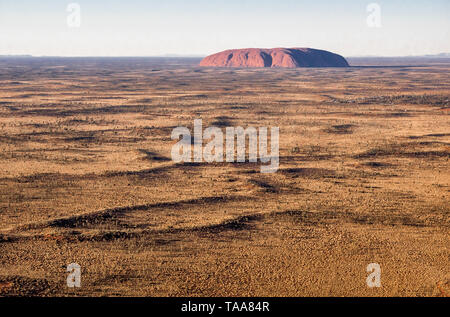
276	57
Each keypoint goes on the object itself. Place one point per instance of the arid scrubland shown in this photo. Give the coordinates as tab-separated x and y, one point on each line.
86	177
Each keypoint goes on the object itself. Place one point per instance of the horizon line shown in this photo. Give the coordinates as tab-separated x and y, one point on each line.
439	55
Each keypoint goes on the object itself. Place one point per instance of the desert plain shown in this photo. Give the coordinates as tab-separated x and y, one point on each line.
86	177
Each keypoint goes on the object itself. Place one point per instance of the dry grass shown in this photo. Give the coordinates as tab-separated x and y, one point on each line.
86	177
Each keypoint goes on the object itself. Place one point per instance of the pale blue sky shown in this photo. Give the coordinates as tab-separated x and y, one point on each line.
151	28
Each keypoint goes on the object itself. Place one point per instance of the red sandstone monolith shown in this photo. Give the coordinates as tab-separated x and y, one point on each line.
276	57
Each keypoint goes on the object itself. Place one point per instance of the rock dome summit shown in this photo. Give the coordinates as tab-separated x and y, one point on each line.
276	58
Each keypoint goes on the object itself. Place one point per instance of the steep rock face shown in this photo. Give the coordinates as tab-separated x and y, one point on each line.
277	57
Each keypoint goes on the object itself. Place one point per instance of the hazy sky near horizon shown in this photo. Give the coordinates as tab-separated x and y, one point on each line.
183	27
